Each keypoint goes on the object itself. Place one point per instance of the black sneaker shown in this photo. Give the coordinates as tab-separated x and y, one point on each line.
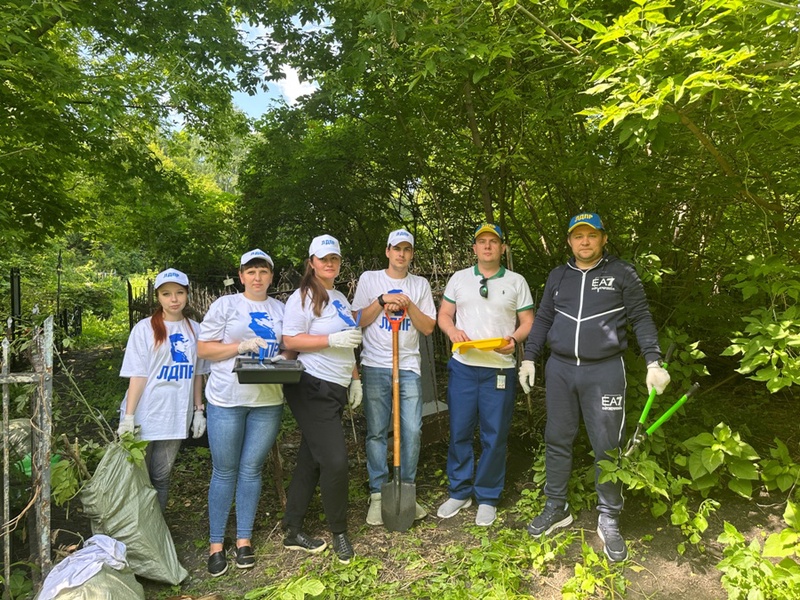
217	564
300	540
552	517
613	544
245	559
343	548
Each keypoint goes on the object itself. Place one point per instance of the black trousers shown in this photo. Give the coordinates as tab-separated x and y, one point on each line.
317	405
596	392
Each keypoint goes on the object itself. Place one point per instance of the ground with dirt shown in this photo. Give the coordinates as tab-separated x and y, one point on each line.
442	547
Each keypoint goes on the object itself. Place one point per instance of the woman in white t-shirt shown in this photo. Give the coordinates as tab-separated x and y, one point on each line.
243	419
319	325
166	380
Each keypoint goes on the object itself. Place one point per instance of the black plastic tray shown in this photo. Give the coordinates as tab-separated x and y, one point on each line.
252	370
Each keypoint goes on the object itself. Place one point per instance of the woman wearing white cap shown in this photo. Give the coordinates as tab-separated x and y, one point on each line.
166	380
320	326
243	420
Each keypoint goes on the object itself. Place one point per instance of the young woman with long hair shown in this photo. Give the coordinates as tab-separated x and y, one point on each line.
166	380
319	325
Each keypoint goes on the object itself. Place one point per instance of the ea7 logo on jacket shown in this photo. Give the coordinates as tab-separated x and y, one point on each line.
600	284
611	401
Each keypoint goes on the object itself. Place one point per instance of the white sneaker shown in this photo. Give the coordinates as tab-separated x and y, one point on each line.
451	507
374	516
486	515
419	512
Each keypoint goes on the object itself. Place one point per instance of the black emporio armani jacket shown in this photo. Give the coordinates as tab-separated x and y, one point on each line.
584	315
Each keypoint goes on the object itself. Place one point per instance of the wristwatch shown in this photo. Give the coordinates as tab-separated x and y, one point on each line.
380	301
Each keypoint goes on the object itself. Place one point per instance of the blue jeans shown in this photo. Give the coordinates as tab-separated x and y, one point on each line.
378	411
240	437
474	400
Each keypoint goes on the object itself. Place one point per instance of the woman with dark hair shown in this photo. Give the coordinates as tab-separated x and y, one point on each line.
319	325
243	419
166	380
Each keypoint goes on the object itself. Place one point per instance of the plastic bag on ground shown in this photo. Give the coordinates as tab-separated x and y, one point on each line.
120	502
95	572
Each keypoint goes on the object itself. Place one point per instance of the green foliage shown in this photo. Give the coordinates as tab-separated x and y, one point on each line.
64	481
692	523
20	584
594	578
780	471
770	343
580	488
643	473
294	589
135	448
747	571
723	447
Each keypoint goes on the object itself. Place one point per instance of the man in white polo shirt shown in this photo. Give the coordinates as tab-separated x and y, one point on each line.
482	302
393	289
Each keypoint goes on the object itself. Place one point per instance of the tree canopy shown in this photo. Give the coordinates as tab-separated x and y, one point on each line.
674	120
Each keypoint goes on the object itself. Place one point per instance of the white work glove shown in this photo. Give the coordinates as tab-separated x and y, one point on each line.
527	375
657	377
355	393
252	345
126	425
349	338
198	423
277	358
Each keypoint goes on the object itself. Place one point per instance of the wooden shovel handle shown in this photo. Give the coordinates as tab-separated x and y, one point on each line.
394	322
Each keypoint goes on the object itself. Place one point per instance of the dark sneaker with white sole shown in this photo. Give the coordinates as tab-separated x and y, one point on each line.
245	558
613	544
300	540
343	548
553	516
217	564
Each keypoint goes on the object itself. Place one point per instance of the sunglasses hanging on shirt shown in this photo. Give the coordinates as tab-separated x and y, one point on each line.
484	289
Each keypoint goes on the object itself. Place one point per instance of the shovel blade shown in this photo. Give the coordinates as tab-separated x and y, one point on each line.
398	505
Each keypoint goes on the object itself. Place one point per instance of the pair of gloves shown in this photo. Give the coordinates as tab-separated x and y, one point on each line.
127	424
351	339
657	376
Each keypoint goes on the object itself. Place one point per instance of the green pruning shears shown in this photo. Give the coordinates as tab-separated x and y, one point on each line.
640	435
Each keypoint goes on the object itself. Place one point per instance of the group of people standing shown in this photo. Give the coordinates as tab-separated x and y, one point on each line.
583	317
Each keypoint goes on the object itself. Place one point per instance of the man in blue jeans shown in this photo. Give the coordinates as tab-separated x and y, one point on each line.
480	302
393	289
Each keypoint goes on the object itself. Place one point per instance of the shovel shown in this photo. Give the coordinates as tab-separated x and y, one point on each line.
398	499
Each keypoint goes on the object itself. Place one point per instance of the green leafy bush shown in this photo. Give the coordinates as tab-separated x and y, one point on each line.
710	451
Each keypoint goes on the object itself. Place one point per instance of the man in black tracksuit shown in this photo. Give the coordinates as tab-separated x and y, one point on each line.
583	316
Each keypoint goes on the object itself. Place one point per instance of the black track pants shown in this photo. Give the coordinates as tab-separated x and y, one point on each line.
596	391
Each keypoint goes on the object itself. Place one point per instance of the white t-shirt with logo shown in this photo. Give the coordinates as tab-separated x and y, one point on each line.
377	350
330	364
165	409
235	318
492	317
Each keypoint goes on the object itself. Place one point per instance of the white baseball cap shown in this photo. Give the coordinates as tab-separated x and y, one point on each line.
171	276
322	245
253	255
398	236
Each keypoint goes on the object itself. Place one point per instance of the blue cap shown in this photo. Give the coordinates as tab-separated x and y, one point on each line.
590	219
488	228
